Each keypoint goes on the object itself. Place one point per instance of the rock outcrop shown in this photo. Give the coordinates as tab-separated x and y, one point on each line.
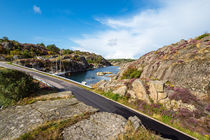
101	125
69	63
184	66
22	120
18	120
103	73
173	81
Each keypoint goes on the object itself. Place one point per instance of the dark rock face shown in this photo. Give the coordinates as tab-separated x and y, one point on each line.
49	65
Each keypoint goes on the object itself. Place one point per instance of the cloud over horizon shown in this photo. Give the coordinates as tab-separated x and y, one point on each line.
133	36
37	9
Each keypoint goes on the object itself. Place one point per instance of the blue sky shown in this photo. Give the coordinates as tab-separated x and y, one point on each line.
55	21
112	28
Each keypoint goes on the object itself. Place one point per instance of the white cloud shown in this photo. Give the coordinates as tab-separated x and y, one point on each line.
37	9
149	29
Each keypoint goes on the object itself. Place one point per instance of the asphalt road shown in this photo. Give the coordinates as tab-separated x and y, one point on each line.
106	105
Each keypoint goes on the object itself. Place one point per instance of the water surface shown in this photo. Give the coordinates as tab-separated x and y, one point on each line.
90	76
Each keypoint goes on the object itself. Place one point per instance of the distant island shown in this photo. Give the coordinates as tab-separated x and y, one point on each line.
120	62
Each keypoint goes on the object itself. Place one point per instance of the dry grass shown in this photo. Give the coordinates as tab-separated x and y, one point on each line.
140	134
53	130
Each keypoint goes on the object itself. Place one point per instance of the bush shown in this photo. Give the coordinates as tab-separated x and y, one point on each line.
131	73
15	85
53	48
26	54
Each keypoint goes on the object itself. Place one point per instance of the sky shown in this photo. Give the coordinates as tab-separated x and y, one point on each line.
111	28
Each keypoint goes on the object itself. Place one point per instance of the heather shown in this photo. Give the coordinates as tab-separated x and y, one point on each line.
171	85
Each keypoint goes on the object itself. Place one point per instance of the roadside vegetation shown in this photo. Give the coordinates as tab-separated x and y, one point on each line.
159	112
16	86
140	134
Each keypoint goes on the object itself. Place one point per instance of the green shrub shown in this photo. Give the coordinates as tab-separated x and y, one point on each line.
53	48
131	73
112	96
202	36
26	54
15	85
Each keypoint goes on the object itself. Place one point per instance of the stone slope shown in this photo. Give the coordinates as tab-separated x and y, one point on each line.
19	122
99	126
176	76
185	64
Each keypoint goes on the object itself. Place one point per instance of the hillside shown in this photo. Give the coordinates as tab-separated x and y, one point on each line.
175	77
120	62
45	58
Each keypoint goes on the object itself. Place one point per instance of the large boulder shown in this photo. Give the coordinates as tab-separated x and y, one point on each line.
99	126
156	89
140	91
121	91
136	122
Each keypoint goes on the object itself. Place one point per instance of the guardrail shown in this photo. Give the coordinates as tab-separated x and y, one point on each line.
52	75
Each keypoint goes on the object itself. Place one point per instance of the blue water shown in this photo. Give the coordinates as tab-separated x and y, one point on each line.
90	76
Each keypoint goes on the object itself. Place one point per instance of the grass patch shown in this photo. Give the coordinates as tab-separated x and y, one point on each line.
112	96
52	130
140	134
31	100
202	36
2	68
131	73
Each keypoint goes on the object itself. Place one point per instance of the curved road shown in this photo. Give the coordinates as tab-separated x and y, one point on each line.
106	105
